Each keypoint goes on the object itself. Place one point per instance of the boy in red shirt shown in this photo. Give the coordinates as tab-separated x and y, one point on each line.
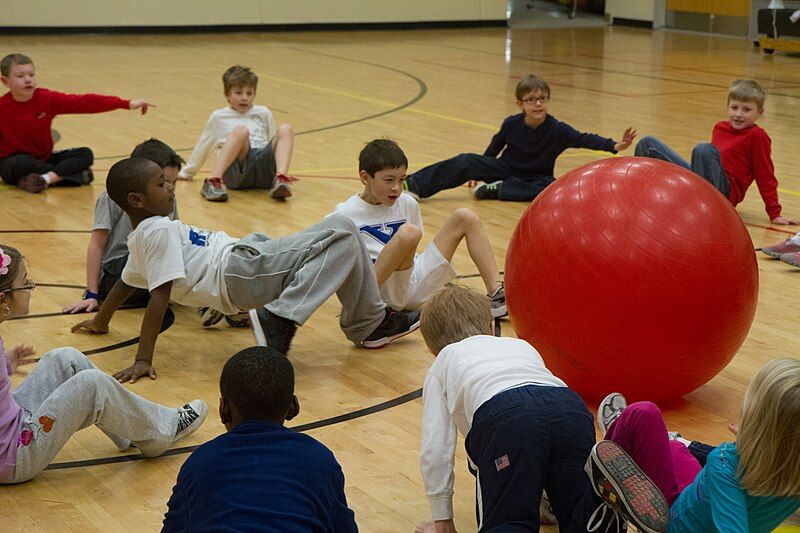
739	153
26	143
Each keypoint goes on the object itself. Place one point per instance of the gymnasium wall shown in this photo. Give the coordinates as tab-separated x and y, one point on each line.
109	13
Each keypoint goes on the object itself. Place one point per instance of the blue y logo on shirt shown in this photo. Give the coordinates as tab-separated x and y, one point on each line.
197	238
382	232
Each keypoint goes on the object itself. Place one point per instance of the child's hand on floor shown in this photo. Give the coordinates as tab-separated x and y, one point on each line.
89	326
19	356
137	370
627	139
783	221
84	306
140	104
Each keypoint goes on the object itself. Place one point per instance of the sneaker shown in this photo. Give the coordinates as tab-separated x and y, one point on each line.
410	189
784	247
272	330
209	317
791	259
240	320
396	324
625	491
546	515
190	417
498	299
609	410
281	187
674	435
488	191
32	183
214	190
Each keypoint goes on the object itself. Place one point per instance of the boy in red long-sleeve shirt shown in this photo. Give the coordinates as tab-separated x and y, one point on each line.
26	143
739	153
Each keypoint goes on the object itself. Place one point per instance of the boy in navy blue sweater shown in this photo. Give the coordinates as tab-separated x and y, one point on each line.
530	143
260	475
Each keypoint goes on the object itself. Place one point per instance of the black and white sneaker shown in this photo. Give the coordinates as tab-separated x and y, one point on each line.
272	330
209	317
239	320
609	410
498	299
626	493
396	324
190	417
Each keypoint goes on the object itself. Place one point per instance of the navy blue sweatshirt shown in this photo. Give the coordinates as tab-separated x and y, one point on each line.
260	477
533	151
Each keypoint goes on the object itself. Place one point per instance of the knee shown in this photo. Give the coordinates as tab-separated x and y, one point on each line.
240	132
465	217
343	223
642	410
89	379
285	131
644	143
705	150
67	357
409	235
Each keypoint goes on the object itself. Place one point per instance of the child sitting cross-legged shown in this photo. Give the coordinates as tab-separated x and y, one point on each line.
259	475
65	393
287	279
751	485
390	224
525	432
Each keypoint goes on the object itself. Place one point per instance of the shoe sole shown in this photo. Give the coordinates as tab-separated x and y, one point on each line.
603	425
255	327
32	188
775	254
643	502
794	262
281	192
380	343
223	198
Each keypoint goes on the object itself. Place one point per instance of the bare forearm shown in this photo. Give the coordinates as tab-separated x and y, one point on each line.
93	267
151	324
119	293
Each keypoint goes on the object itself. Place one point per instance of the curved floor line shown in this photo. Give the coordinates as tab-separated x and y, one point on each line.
377	408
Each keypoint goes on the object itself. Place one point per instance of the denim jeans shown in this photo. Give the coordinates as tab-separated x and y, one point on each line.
706	161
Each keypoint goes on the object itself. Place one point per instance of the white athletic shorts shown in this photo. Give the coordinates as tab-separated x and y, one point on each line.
410	288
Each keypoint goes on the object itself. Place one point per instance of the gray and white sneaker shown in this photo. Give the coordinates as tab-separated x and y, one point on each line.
499	309
609	410
546	514
209	317
190	417
214	190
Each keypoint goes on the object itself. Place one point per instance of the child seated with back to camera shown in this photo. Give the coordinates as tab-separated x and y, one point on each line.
528	145
26	140
108	245
390	225
251	152
750	485
259	475
65	392
286	279
740	152
525	432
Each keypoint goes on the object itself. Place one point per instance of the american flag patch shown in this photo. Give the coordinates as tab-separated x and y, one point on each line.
501	462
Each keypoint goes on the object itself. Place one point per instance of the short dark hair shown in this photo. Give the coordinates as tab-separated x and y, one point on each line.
7	279
127	176
239	76
259	384
529	84
13	59
381	154
159	153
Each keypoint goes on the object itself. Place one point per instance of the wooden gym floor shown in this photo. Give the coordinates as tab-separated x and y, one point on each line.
438	93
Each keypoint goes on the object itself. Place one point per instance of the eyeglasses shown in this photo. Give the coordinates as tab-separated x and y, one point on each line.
27	287
535	99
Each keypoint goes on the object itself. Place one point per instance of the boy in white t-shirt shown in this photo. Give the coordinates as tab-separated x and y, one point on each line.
286	278
390	224
525	431
252	152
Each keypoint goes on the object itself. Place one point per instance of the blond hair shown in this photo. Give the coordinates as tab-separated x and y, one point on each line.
769	432
238	76
529	84
453	314
747	91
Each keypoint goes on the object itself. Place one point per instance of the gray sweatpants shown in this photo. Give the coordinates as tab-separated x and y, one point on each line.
292	276
65	393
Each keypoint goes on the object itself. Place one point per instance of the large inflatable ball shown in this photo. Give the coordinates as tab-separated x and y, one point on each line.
632	275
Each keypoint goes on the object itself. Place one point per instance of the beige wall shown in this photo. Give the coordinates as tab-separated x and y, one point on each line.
649	10
209	12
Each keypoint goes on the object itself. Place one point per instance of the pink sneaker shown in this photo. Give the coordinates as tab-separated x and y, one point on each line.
792	259
784	247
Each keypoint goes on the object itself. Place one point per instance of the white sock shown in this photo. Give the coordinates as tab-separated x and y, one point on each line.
683	441
46	178
795	239
794	17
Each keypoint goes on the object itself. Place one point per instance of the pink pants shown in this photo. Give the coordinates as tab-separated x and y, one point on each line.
640	430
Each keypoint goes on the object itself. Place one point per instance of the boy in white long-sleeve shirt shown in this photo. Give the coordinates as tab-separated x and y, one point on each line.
525	431
252	152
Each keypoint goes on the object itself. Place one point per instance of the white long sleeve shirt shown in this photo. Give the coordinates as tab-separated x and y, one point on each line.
258	120
463	377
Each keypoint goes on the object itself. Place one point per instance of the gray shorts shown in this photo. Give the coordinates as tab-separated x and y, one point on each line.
257	171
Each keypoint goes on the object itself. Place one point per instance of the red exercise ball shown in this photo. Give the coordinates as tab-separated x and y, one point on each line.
632	275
